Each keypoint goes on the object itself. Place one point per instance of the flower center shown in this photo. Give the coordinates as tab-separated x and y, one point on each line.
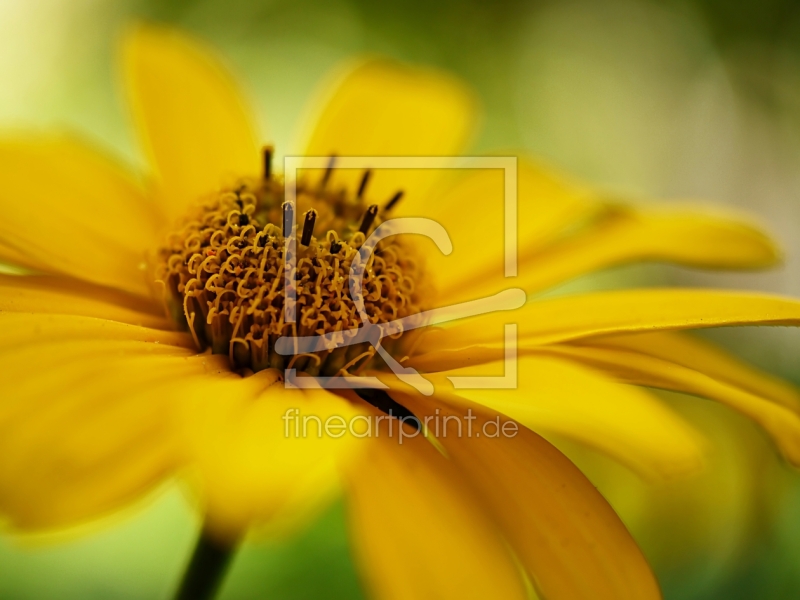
224	272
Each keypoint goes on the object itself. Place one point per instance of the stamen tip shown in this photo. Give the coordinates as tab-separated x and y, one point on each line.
394	200
363	185
288	218
267	153
328	171
368	219
308	227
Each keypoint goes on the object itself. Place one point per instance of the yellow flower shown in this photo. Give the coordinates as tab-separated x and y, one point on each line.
103	399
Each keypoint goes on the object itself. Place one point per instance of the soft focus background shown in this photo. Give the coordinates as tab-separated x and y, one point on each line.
695	99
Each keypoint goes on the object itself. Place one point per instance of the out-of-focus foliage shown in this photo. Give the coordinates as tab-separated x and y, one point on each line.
142	558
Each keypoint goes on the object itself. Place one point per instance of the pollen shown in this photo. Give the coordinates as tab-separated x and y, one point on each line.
223	269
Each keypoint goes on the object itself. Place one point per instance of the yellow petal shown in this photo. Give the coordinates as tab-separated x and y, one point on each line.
257	454
627	423
709	359
680	236
473	212
12	260
565	534
417	532
67	209
86	427
380	108
702	519
782	424
191	120
53	295
588	315
99	385
94	419
29	328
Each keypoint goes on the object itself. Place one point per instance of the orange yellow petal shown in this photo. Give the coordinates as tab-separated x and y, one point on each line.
686	237
260	454
86	427
707	358
615	312
416	530
554	396
191	120
473	211
382	108
62	296
66	208
29	328
780	422
566	536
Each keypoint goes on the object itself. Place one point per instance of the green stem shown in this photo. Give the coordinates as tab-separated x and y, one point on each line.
206	570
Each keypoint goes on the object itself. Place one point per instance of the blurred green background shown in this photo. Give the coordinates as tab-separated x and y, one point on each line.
696	99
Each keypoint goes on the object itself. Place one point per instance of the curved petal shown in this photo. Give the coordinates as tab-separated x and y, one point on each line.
86	427
381	108
781	423
567	537
691	352
95	413
685	237
22	328
191	120
616	312
416	530
106	381
54	295
623	235
66	208
259	452
627	423
473	212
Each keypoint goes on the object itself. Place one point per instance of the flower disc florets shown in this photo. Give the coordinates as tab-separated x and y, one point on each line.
224	273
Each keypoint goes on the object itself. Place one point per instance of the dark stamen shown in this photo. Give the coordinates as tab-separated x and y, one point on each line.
244	219
363	185
328	171
308	227
288	218
335	247
369	217
267	155
393	201
383	402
